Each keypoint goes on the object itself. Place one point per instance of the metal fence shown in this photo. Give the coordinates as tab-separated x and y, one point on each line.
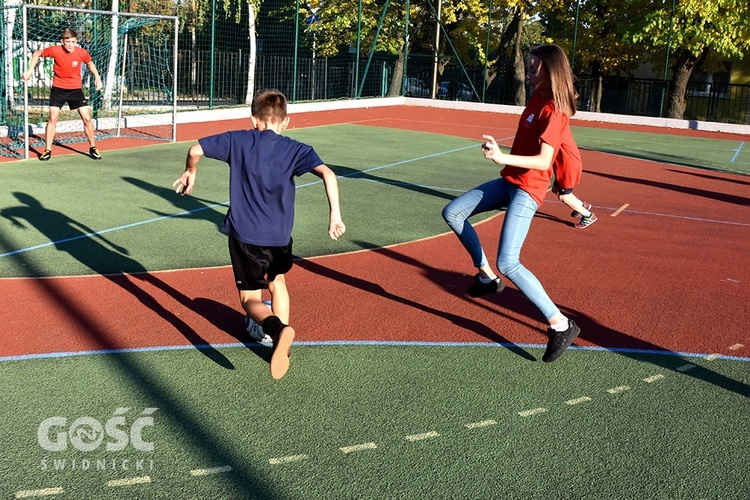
334	78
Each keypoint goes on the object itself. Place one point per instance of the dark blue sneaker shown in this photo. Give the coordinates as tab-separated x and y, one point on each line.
477	289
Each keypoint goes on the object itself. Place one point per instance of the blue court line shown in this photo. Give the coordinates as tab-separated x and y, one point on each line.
737	151
188	212
388	343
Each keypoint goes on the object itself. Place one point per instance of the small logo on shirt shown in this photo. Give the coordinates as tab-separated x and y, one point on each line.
75	64
530	120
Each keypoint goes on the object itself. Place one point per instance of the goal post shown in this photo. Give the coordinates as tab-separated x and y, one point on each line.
135	55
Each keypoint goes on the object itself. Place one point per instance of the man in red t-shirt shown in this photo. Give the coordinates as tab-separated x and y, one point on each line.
67	87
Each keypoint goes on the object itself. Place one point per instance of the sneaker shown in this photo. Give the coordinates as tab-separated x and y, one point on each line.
585	222
560	341
281	351
575	213
477	289
46	155
94	153
256	331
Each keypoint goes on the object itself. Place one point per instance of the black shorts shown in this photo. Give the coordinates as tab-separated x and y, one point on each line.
74	97
255	266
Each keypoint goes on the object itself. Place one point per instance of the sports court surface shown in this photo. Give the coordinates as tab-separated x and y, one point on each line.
119	307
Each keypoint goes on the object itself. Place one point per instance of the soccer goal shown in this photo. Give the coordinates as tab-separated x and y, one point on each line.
135	54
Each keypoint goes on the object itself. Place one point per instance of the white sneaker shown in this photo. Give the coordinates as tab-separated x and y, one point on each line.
255	330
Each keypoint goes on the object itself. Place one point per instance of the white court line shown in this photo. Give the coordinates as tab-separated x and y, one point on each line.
129	481
39	493
212	470
736	346
737	151
358	447
653	378
286	460
713	356
423	436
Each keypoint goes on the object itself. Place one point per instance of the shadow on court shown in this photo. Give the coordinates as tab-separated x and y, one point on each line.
244	480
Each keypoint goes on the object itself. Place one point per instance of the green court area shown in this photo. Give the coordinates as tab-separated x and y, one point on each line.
376	421
713	154
74	216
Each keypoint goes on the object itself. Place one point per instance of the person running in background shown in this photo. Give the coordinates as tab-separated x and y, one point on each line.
262	167
542	131
67	87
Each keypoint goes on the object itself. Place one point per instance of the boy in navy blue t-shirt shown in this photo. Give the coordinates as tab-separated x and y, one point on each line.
262	167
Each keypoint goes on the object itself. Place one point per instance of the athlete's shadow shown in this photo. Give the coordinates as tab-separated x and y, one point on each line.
103	256
441	277
513	300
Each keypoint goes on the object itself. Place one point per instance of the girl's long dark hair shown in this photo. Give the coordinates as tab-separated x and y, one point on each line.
561	77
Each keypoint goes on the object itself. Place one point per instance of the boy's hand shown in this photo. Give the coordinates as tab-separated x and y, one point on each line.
336	228
184	185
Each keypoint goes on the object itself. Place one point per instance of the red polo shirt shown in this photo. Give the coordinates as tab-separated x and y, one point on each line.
539	123
67	69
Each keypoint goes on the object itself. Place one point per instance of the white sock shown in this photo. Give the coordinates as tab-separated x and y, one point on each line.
560	326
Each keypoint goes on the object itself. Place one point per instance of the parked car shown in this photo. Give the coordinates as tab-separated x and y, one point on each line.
414	87
455	91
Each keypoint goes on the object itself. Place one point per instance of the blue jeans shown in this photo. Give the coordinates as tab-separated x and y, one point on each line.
521	207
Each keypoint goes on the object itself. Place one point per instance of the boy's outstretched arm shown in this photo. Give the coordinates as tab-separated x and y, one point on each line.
184	185
336	226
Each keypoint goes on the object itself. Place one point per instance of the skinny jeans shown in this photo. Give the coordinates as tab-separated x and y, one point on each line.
499	194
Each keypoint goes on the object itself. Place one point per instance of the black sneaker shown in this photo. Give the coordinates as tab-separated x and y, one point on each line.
560	341
477	289
94	153
46	155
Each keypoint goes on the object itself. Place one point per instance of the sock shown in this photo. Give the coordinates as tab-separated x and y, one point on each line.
561	326
271	325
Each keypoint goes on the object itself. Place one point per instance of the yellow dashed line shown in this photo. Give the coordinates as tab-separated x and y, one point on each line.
358	447
535	411
39	493
618	390
286	460
576	401
424	435
617	212
685	368
477	425
129	481
212	470
653	378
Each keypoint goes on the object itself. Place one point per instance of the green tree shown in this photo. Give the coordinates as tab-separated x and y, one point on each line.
693	33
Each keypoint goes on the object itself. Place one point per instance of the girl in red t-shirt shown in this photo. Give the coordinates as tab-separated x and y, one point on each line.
542	133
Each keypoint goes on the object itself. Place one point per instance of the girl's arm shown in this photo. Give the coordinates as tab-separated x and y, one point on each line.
541	161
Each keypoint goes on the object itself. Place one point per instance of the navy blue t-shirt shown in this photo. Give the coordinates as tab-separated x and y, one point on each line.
262	167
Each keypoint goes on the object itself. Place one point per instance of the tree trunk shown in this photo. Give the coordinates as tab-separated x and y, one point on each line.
398	74
519	73
681	71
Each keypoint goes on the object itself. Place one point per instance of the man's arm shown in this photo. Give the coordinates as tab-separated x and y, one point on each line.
184	185
95	72
336	226
32	64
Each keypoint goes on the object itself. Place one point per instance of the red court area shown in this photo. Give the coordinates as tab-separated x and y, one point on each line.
663	269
